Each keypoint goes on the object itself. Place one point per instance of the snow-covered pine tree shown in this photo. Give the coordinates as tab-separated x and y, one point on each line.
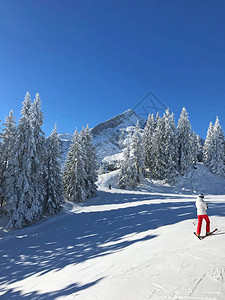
24	175
17	174
74	175
208	145
169	150
184	142
199	148
158	157
8	138
53	181
137	157
125	174
147	140
194	148
217	160
90	161
38	155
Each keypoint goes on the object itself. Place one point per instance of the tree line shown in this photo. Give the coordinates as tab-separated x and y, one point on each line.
163	150
32	182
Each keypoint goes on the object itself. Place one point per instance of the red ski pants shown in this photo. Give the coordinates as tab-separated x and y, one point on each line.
200	218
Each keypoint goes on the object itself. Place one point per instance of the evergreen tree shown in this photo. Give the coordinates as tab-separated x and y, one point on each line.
8	138
38	155
217	160
208	145
74	175
54	188
199	148
24	175
137	157
125	174
194	148
158	150
169	147
90	162
147	140
184	142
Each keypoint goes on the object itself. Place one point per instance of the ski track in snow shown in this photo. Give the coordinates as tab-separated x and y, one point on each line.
120	245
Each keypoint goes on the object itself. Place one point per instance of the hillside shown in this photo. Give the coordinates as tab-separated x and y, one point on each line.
199	180
121	244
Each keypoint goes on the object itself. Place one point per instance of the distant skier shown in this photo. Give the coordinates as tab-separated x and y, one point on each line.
110	187
201	212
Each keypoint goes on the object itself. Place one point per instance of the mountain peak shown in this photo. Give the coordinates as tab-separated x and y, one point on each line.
110	136
125	119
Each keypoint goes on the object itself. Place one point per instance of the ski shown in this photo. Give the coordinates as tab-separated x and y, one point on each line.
204	236
198	236
209	233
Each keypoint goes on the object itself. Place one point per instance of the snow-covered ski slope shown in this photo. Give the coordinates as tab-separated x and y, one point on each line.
199	180
120	245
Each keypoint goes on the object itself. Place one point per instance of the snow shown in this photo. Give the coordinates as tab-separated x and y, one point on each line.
109	137
122	244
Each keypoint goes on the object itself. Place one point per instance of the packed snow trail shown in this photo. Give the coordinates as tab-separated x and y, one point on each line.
120	245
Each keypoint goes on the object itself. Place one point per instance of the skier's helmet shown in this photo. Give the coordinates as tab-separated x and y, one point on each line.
201	195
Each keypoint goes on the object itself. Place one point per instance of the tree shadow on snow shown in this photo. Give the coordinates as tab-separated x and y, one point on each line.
81	236
70	289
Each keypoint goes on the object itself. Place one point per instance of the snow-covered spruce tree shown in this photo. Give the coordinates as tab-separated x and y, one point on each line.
137	157
199	148
184	142
38	155
164	148
8	138
125	174
158	147
74	175
147	140
169	150
17	174
24	175
208	145
194	148
216	163
90	161
54	198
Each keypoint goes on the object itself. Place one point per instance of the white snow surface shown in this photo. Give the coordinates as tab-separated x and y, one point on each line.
122	244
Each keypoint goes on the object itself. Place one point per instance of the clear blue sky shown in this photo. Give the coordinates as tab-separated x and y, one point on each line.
91	60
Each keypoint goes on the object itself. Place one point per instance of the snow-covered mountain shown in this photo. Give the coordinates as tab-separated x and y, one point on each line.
109	137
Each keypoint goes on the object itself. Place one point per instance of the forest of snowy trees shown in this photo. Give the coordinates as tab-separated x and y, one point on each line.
32	182
163	150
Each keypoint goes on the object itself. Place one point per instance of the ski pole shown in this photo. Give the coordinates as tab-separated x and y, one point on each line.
194	222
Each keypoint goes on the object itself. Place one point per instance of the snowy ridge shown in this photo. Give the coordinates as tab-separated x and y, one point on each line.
127	118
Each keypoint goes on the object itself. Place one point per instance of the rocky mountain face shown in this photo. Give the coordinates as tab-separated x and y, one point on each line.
109	137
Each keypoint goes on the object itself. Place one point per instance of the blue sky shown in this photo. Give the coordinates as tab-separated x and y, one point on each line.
91	60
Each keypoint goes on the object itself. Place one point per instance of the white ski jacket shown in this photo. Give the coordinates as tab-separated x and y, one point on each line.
201	206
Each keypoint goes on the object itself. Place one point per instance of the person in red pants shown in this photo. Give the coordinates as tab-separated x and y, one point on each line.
201	212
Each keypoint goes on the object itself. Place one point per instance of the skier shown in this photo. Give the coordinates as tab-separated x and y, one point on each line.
110	186
201	212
